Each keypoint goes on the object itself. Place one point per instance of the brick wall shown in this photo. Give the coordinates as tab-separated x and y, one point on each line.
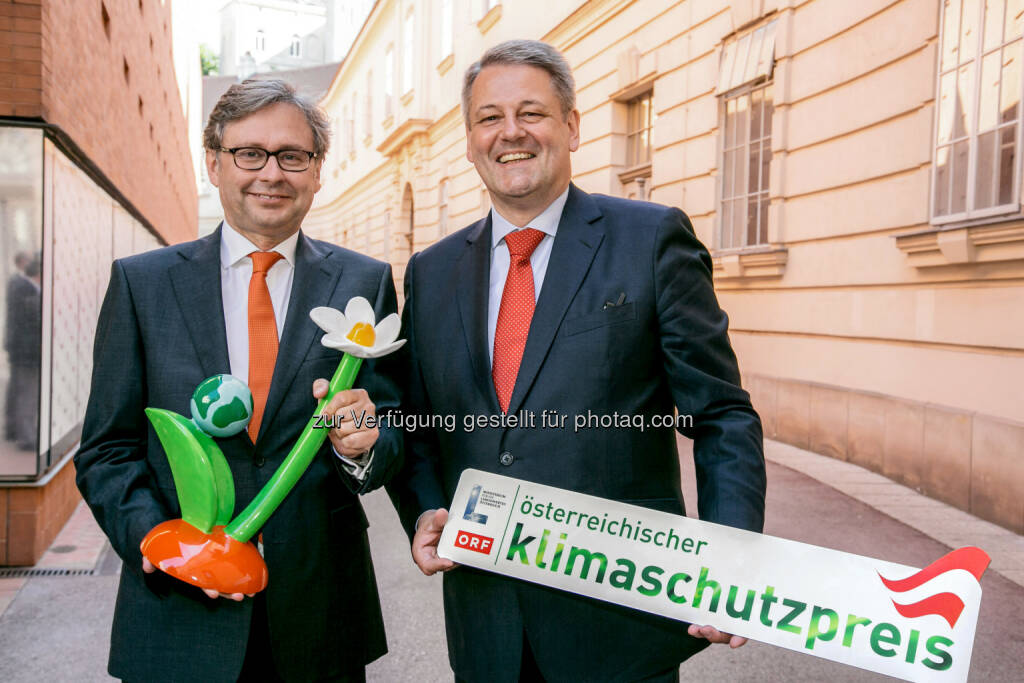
102	70
21	59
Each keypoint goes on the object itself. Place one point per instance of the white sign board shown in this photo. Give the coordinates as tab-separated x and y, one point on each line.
897	620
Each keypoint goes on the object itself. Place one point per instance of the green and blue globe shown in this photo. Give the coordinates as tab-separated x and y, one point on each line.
221	405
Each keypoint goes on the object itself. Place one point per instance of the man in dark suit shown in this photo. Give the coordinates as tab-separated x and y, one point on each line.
23	343
584	304
174	316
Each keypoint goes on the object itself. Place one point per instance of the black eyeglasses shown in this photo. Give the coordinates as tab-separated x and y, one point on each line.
255	158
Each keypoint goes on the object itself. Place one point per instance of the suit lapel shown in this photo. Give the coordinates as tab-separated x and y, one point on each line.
577	240
472	286
316	277
196	285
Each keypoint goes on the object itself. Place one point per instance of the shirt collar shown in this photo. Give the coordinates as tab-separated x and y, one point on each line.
234	247
546	222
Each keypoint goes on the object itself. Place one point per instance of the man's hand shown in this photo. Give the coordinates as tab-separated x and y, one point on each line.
348	408
148	568
424	542
712	634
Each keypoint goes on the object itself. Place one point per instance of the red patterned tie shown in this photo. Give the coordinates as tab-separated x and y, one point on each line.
515	313
262	336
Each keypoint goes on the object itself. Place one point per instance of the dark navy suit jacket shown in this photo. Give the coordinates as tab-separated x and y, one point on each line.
663	345
161	332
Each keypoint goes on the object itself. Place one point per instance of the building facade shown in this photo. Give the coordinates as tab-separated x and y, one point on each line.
854	168
94	165
279	35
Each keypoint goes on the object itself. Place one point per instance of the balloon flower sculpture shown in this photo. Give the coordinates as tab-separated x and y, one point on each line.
206	548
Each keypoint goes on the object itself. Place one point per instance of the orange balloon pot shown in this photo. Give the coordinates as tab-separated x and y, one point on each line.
210	561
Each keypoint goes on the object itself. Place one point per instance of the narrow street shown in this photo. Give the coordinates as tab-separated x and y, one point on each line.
56	628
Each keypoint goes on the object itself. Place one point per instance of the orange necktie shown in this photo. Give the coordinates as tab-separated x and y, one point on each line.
515	313
262	336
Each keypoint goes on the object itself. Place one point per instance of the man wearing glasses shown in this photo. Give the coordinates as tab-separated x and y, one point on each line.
238	302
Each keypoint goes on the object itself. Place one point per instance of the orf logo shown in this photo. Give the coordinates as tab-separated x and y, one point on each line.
474	542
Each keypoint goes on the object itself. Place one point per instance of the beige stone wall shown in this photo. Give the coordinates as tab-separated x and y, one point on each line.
904	355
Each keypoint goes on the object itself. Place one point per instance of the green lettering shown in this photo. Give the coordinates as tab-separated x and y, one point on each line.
648	575
945	659
884	634
912	646
730	604
541	548
623	578
785	623
558	552
767	600
670	589
588	557
517	547
814	631
702	583
853	622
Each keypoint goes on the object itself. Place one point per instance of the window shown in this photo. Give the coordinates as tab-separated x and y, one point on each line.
638	133
389	81
488	5
976	169
747	158
745	88
352	124
295	49
442	209
368	120
407	52
344	140
447	20
261	41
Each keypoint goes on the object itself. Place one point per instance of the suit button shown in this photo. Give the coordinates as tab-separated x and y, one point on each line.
506	458
259	461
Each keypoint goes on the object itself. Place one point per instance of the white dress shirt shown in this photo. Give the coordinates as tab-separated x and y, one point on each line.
235	274
546	222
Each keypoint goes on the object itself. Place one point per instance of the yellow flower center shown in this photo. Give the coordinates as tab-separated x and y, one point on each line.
362	334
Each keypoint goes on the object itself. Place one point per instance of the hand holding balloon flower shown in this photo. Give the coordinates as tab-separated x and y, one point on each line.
202	548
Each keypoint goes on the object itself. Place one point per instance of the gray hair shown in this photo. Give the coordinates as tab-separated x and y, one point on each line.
250	96
525	53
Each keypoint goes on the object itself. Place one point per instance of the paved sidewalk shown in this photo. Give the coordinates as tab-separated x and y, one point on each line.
56	628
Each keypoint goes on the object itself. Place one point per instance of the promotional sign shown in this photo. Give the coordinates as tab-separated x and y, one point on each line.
886	617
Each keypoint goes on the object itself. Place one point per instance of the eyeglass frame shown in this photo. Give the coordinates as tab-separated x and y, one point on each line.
233	150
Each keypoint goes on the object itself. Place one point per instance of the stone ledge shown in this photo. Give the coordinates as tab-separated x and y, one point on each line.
983	243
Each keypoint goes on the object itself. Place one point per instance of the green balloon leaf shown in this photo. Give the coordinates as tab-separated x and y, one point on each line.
202	477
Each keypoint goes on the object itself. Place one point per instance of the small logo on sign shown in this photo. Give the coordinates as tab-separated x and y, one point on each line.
474	542
946	605
471	514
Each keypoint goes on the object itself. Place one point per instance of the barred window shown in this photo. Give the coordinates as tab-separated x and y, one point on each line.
745	88
638	134
976	172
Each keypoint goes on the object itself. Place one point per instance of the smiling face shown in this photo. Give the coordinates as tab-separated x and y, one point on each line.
519	140
266	206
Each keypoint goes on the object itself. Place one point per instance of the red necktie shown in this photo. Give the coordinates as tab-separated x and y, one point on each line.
515	313
262	336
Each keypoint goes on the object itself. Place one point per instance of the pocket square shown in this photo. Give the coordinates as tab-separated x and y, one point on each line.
618	302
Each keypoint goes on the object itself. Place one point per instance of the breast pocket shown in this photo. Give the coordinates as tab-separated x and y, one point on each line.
602	318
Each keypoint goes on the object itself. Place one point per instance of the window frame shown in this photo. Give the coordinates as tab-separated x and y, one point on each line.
1012	209
632	161
745	90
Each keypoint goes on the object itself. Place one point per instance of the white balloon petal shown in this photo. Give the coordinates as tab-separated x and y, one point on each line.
359	310
329	319
338	326
387	329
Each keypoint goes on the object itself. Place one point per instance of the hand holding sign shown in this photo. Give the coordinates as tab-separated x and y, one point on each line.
424	543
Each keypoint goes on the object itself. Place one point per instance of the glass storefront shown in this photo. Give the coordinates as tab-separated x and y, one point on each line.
21	267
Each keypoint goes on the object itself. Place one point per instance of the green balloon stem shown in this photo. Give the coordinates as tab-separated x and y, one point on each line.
253	517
